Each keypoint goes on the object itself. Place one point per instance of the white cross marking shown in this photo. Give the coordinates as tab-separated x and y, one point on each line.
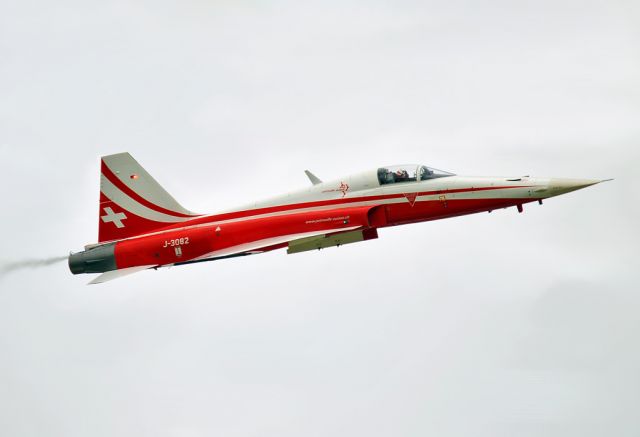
113	217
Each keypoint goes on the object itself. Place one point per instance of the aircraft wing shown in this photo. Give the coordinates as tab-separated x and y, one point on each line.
299	232
260	246
329	240
363	220
115	274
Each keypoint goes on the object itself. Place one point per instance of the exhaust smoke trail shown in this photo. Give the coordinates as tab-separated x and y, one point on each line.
7	267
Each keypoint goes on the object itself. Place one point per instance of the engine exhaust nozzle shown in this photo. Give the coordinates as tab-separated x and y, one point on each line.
98	259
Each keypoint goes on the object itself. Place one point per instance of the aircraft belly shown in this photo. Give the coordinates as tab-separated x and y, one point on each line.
445	207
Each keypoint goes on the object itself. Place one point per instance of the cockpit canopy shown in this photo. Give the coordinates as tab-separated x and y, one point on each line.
409	173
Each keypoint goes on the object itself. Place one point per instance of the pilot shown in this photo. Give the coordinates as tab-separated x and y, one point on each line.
402	175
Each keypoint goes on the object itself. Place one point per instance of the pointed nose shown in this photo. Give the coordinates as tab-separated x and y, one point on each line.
559	186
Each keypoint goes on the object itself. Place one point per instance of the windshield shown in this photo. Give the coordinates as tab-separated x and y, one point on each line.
408	173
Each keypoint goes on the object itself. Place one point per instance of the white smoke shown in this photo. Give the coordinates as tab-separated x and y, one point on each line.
7	267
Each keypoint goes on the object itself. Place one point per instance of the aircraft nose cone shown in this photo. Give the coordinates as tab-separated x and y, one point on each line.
559	186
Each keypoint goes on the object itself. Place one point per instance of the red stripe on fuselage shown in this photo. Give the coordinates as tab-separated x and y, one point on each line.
320	203
462	208
106	172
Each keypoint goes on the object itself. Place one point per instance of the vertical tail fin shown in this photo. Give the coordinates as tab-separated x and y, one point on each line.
132	202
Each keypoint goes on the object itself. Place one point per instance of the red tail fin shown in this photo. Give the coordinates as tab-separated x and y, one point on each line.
132	202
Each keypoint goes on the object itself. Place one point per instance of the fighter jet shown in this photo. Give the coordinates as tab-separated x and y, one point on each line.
141	226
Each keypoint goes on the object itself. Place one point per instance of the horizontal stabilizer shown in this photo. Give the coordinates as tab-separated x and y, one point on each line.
115	274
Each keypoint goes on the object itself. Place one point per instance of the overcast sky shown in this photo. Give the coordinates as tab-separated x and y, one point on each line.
488	325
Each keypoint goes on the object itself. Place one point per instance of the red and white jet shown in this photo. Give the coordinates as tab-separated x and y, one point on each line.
141	226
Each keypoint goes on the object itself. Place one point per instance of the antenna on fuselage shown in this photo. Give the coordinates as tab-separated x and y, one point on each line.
313	178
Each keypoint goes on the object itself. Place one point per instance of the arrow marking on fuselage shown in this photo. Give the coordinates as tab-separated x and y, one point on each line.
411	197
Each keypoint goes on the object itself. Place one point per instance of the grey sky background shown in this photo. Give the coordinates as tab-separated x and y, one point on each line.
487	325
